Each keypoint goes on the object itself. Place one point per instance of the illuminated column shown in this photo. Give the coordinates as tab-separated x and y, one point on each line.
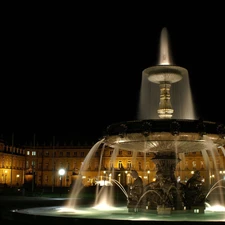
6	176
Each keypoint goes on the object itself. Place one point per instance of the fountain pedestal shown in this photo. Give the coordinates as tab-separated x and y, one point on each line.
198	209
162	210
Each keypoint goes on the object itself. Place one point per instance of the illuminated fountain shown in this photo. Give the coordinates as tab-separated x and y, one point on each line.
168	137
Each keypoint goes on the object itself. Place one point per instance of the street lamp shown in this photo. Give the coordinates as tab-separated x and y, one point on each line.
61	173
17	179
126	177
148	175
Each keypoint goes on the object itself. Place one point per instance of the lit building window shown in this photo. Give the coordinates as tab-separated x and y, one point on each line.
120	165
186	164
33	164
139	165
129	165
194	164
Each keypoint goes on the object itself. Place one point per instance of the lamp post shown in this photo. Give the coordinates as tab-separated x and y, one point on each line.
126	177
61	173
17	179
148	175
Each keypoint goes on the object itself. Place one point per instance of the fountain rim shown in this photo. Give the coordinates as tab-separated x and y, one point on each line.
161	131
26	215
163	125
158	73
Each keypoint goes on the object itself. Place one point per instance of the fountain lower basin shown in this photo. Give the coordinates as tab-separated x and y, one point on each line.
119	215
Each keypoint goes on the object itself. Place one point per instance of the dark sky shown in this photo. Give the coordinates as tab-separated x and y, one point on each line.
71	75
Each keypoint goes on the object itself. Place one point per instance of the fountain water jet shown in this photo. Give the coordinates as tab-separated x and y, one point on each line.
167	135
165	74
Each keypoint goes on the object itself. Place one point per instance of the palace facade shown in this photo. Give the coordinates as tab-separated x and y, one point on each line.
39	165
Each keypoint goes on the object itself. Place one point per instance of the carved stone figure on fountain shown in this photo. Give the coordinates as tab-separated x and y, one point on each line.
154	190
164	190
160	191
135	190
195	181
192	191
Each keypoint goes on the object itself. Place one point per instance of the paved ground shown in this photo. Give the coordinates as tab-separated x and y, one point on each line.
8	203
12	200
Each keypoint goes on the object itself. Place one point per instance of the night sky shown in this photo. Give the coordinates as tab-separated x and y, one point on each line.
70	76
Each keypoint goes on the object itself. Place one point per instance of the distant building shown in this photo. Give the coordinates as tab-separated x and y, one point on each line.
39	165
